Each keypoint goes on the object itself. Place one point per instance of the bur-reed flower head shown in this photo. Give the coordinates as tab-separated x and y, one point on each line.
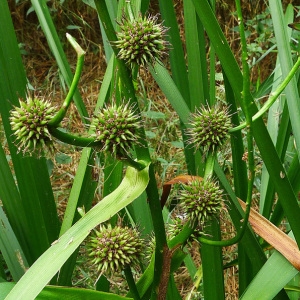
173	228
141	41
29	123
201	200
113	249
117	128
209	127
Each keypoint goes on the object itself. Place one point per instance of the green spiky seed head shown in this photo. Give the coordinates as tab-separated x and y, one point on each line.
150	247
113	249
141	41
177	224
29	123
209	128
201	200
117	128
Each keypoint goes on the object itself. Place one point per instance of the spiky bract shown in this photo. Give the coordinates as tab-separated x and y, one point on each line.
209	128
141	41
29	122
113	249
117	128
201	200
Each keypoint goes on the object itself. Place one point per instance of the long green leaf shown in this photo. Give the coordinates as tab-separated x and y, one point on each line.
36	207
169	88
54	292
278	136
266	287
178	64
284	52
196	56
35	279
212	265
9	195
11	249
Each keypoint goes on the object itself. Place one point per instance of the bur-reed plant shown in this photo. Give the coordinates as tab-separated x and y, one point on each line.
40	252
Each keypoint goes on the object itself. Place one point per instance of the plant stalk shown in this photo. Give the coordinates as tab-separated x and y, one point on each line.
131	284
272	97
141	151
54	122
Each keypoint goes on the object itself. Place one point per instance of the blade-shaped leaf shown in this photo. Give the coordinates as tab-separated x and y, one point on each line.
11	249
36	222
264	286
67	293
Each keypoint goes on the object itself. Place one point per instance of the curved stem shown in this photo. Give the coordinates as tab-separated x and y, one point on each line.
272	97
80	58
127	160
72	139
246	98
81	141
182	237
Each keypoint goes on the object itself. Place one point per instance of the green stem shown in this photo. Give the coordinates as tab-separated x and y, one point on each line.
141	151
272	97
246	98
188	230
83	142
182	237
127	160
130	13
131	283
209	164
80	59
72	139
233	240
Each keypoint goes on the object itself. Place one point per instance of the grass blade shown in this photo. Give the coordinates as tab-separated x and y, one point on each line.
53	292
37	209
265	286
212	265
178	64
279	129
286	63
11	249
196	56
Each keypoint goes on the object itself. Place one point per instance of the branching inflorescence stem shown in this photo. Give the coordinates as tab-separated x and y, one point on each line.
80	59
272	97
246	98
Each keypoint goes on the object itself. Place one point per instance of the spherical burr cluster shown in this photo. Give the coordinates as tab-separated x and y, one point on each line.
141	41
29	123
117	128
209	128
113	249
201	200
